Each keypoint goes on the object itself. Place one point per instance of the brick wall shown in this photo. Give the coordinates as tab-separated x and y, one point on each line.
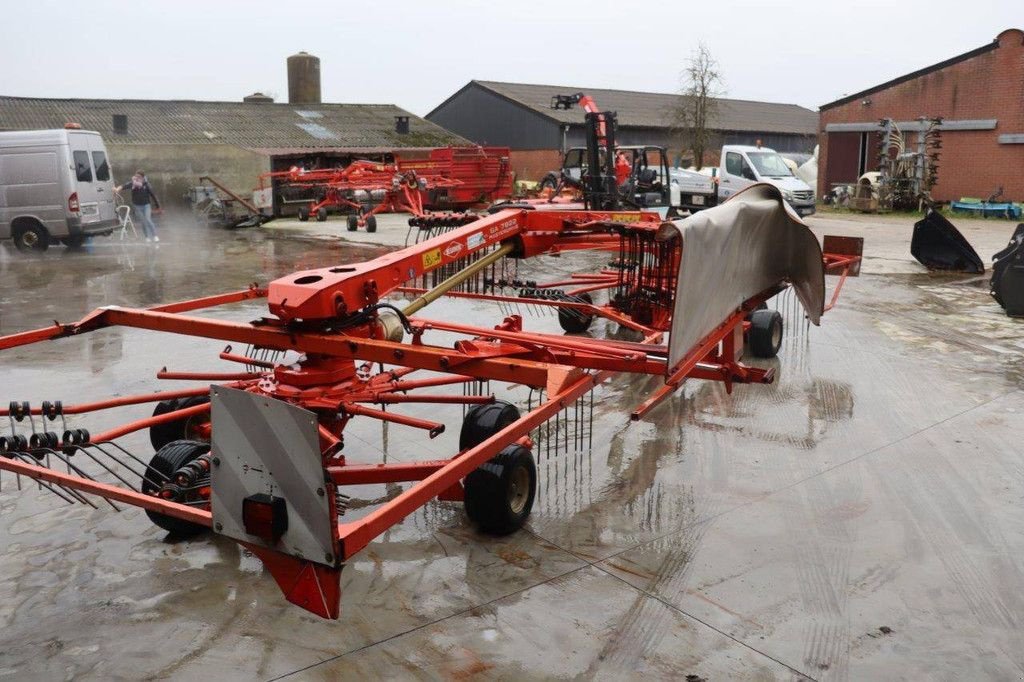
534	164
987	86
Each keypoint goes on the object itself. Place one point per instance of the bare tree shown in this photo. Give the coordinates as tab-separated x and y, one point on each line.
702	84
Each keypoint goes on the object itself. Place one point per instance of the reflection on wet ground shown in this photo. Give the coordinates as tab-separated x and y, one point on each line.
859	516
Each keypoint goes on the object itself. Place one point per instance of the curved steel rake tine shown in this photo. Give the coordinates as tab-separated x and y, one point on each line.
120	462
98	461
67	460
28	459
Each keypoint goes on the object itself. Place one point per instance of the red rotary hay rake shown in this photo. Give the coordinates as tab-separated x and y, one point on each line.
445	179
259	456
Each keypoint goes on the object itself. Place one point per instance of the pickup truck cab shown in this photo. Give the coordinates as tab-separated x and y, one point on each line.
742	166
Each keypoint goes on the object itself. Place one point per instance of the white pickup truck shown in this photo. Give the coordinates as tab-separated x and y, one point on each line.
692	190
742	166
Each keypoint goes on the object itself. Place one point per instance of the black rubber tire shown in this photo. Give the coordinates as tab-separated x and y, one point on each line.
164	463
573	321
499	495
371	223
303	214
321	215
353	222
31	238
74	241
483	421
549	180
494	208
760	306
162	434
765	335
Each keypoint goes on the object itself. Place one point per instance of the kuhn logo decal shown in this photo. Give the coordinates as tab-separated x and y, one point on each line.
453	250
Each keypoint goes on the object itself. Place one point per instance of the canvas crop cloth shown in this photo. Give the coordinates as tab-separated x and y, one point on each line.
735	251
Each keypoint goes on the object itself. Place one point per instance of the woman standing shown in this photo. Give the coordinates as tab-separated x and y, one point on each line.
143	203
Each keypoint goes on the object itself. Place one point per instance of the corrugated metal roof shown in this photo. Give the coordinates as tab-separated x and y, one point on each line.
654	109
243	124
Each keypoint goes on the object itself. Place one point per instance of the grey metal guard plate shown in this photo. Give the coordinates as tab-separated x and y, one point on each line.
269	446
737	250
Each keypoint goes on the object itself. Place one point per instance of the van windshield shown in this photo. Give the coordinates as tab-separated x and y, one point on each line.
769	164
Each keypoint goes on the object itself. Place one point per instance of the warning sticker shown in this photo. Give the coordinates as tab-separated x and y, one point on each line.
625	217
475	240
432	258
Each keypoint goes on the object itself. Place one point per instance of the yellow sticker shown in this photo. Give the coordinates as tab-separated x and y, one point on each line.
432	259
625	217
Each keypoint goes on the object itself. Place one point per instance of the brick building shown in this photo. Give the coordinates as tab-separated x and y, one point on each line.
519	116
980	97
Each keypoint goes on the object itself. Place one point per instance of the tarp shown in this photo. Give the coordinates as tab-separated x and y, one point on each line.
735	251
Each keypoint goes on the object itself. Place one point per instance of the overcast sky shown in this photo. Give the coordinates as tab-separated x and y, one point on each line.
415	54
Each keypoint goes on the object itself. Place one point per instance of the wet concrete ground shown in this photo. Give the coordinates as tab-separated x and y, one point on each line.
861	518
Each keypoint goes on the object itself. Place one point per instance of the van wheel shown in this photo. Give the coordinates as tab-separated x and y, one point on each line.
31	238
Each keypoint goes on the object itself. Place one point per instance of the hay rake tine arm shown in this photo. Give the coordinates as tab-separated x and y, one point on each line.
140	424
602	311
97	319
110	492
124	401
205	376
433	428
226	354
632	360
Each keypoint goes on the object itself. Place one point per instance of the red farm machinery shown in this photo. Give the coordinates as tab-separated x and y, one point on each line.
434	186
259	453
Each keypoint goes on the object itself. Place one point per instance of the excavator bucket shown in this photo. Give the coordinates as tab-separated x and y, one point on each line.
1007	283
938	245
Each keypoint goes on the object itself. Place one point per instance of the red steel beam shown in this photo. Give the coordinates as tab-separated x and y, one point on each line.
359	474
434	428
140	424
82	408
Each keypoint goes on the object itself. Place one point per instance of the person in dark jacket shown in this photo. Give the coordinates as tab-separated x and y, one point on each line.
143	203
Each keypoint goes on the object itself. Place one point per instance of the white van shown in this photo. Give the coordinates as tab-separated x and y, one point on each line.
743	165
55	185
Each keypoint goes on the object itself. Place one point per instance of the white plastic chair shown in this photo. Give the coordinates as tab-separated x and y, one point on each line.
124	215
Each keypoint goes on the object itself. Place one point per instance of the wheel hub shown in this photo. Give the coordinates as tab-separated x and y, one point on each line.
518	489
